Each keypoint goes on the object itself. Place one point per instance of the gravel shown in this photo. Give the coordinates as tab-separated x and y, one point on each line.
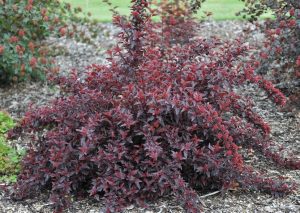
285	129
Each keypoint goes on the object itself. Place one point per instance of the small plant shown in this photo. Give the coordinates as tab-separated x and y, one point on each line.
9	162
154	122
281	53
6	122
9	158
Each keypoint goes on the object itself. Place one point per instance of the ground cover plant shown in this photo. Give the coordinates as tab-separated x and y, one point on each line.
163	117
9	158
24	25
281	54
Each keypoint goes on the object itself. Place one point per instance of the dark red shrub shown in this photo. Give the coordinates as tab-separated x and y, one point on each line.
282	46
151	123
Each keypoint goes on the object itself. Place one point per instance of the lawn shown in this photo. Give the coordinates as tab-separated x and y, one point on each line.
221	9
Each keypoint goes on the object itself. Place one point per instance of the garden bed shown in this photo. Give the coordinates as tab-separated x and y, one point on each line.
285	129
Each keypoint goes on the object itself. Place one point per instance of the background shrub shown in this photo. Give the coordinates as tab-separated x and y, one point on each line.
155	121
23	26
280	56
177	22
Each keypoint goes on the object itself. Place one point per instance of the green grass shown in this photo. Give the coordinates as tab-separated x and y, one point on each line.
221	9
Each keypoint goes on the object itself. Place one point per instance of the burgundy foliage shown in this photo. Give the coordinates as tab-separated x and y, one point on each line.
159	120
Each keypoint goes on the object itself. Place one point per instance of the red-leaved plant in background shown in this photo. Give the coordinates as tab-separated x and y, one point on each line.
177	23
154	122
280	56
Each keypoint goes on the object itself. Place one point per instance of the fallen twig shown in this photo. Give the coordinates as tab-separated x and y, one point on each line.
210	194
